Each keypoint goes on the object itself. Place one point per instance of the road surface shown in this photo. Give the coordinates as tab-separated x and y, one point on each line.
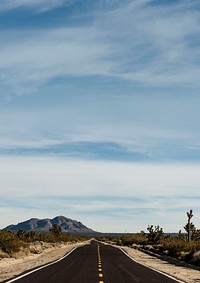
95	263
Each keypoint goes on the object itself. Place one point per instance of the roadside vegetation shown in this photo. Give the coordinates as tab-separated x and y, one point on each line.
182	246
14	242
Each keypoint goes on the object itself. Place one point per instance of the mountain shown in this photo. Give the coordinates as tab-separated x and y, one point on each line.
68	225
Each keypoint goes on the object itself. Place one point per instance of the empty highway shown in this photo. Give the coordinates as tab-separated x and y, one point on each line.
95	263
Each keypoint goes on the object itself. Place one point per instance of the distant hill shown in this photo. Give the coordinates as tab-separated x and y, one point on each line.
68	225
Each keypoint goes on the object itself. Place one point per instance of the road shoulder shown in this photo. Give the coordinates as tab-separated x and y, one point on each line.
180	271
11	267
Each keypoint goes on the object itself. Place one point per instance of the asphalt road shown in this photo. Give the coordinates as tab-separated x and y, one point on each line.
95	263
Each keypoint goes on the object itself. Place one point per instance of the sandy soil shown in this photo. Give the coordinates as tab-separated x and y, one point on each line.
45	253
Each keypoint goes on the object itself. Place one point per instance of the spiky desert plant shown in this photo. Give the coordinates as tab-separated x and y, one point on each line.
189	215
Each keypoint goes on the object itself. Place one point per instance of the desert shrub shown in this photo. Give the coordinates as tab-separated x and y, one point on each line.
193	257
26	236
180	249
129	240
9	242
126	240
13	242
174	247
140	239
51	237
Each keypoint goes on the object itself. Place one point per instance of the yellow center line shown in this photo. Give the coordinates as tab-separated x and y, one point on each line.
99	265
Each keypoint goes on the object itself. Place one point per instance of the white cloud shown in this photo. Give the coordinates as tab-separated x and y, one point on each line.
89	190
149	45
159	43
40	5
41	56
150	127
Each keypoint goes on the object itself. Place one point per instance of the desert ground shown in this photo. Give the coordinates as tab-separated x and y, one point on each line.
42	253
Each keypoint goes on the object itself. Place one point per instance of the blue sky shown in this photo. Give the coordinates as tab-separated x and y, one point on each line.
99	112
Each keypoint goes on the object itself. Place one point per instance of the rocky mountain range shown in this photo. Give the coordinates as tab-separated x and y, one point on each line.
68	225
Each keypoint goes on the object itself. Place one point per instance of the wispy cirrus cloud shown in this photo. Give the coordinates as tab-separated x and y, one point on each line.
46	5
130	128
42	56
160	43
40	5
138	42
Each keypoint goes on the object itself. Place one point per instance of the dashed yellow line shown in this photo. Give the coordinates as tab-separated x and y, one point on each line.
99	265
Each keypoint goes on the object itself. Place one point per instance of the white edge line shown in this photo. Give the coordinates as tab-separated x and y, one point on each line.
163	273
41	267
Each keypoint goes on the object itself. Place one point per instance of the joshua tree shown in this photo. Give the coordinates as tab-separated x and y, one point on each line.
189	215
190	228
155	234
56	229
21	233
